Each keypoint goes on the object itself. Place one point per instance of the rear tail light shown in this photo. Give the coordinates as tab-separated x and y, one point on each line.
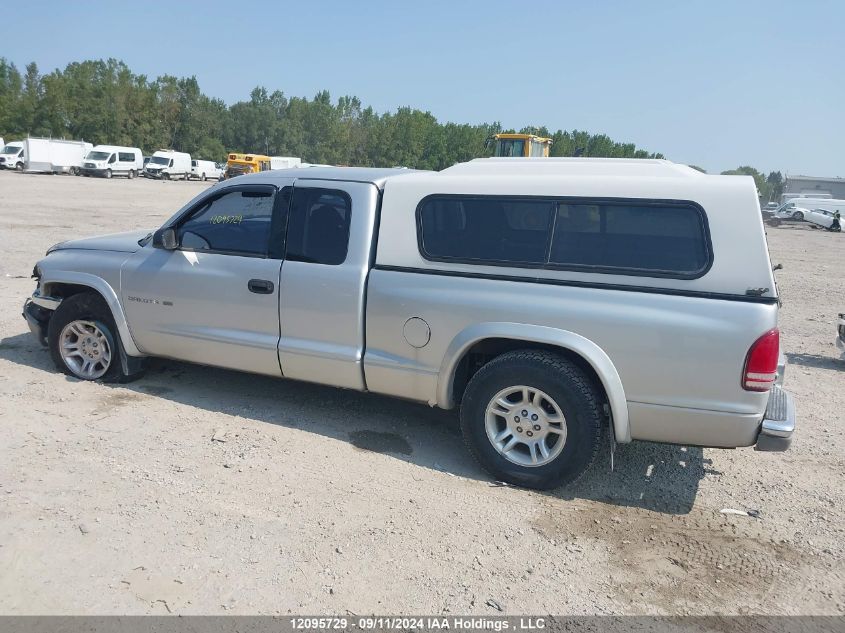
761	363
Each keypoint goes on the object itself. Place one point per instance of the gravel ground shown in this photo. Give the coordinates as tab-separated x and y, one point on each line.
200	490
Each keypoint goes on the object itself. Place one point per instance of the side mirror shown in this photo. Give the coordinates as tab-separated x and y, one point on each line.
165	238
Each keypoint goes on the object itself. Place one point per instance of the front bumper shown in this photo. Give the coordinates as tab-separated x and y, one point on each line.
157	175
778	422
37	319
92	171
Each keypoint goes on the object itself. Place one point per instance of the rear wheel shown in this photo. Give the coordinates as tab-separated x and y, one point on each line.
203	178
532	418
131	174
84	341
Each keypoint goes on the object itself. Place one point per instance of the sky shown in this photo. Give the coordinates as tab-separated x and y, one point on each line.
714	83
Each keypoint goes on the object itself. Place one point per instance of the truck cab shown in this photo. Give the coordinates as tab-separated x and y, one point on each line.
13	156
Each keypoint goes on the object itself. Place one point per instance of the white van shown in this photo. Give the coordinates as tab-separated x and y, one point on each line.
55	156
167	164
205	170
786	197
113	160
13	156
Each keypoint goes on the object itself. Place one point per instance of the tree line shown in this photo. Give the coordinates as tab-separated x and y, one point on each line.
104	102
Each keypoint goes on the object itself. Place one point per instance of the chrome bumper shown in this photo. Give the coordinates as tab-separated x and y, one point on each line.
778	422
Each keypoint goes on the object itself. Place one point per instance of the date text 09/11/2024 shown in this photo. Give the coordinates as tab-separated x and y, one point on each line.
387	623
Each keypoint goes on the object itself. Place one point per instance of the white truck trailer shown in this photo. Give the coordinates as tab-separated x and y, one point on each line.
285	162
55	156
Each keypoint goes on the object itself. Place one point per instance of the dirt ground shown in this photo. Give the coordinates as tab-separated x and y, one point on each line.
200	490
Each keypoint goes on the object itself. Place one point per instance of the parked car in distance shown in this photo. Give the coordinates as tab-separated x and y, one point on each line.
167	164
795	208
205	170
830	220
54	156
13	156
113	160
549	300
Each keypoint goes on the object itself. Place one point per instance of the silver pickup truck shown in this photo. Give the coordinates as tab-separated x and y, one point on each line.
550	300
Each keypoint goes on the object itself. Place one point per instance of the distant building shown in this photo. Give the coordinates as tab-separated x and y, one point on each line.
810	185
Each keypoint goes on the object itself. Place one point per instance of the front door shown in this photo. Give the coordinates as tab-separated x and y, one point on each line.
215	299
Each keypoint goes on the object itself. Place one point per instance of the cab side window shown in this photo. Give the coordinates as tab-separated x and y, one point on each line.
112	158
238	222
318	229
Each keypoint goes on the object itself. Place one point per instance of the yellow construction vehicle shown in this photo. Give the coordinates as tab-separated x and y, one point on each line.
520	145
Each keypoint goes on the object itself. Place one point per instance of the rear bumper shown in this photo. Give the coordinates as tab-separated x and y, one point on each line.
778	422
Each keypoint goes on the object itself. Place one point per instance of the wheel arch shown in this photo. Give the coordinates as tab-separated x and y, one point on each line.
65	284
496	338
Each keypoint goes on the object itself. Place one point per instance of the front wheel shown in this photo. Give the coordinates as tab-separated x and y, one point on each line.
108	173
84	342
798	215
203	178
19	167
532	418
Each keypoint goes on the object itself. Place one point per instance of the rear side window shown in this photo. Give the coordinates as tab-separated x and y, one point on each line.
237	223
486	229
126	157
318	228
660	238
648	238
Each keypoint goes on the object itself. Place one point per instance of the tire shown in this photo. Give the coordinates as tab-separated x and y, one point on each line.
204	178
165	176
19	167
108	173
87	315
131	174
556	388
798	215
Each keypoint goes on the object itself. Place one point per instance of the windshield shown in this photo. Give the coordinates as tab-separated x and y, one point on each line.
159	160
98	155
11	149
510	147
